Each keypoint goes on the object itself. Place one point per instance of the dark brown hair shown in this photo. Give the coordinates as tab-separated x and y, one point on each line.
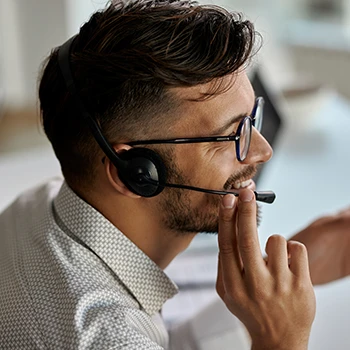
124	60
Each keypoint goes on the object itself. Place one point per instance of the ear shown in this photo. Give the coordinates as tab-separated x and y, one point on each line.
112	173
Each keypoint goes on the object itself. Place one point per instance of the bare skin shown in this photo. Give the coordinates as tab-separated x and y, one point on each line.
328	243
274	298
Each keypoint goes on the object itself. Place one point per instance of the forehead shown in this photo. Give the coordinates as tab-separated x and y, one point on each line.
201	117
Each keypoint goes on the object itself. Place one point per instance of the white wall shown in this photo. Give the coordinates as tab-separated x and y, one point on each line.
30	28
28	31
79	11
11	64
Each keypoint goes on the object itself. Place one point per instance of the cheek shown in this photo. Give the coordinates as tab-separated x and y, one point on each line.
218	168
225	162
207	167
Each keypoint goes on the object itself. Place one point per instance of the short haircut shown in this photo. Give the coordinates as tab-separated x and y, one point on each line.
124	61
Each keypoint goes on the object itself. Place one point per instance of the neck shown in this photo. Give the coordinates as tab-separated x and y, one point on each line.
138	219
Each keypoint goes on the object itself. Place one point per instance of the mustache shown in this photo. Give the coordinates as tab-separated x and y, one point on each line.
247	173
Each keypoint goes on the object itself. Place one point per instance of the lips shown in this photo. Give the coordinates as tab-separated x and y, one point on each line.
240	185
241	180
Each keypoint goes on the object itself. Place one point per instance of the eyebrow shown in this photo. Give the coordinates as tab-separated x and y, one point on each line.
233	120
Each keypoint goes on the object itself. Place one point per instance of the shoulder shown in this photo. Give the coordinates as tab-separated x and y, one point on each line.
30	204
46	190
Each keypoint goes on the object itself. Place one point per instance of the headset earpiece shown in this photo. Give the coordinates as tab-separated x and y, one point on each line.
141	169
144	172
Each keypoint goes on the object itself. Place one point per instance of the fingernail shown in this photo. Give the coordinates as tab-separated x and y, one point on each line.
246	196
228	201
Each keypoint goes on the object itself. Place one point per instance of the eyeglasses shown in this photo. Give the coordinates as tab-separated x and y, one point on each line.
241	137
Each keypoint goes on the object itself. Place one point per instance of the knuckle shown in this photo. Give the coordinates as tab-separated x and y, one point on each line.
274	243
297	247
246	209
235	296
302	285
246	244
283	288
259	294
226	216
225	248
276	240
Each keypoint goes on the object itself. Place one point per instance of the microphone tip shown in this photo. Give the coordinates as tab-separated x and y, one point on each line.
265	196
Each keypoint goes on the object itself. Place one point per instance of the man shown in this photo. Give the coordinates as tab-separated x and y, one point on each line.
142	100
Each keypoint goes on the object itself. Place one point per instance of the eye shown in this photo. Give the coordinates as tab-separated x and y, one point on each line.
233	133
234	128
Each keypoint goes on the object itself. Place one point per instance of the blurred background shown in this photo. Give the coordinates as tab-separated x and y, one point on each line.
305	63
306	42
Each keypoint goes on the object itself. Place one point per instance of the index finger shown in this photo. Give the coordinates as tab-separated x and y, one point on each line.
248	241
227	239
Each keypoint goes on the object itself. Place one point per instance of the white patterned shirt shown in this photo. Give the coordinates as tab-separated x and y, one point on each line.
69	279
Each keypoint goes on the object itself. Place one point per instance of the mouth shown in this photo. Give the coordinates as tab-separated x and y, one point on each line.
240	185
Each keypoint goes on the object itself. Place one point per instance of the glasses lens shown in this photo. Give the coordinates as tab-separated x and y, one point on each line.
258	118
244	140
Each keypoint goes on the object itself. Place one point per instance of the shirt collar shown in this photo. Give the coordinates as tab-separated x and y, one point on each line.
143	278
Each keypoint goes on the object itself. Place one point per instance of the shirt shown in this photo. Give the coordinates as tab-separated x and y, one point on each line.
69	279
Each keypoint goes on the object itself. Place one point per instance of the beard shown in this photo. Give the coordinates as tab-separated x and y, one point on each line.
178	212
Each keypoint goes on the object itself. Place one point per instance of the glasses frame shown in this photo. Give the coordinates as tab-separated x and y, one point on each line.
259	103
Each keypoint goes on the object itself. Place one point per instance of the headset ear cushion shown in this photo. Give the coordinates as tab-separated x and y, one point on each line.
145	172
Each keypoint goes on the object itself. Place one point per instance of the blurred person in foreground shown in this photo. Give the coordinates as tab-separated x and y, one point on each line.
82	260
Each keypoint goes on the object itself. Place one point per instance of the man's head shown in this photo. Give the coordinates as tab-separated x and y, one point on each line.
157	69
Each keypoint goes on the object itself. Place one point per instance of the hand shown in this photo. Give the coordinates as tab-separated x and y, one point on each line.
274	299
328	243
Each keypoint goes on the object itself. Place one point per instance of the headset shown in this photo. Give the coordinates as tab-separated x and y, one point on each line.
141	170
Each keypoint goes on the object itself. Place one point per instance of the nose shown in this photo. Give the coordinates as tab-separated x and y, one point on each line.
260	150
